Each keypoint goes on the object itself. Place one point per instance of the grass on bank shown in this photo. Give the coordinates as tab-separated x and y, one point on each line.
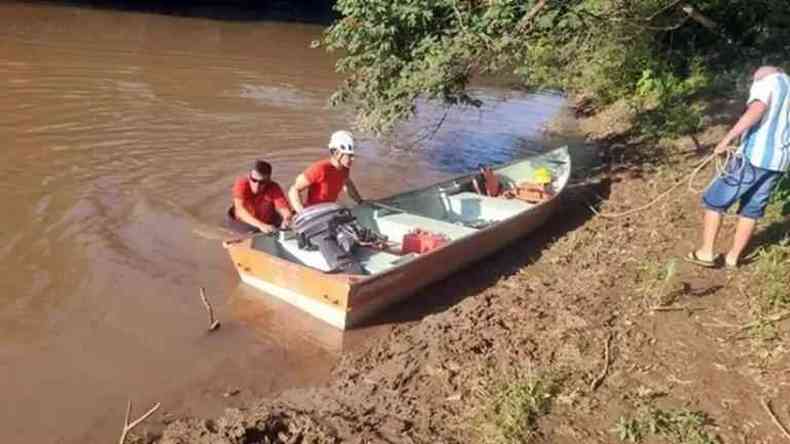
512	409
677	426
656	282
770	278
773	272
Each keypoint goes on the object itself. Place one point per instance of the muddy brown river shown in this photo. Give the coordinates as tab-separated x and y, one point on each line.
122	132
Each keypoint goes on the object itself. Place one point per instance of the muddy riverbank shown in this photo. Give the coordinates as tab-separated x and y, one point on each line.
592	326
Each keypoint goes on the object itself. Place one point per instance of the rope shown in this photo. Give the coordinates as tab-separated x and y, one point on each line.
721	170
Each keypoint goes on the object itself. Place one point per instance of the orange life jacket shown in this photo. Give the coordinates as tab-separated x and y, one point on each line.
490	182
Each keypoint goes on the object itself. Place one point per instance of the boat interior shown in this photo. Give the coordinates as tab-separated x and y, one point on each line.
451	210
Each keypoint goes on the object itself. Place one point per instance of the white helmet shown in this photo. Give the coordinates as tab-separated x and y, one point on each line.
342	141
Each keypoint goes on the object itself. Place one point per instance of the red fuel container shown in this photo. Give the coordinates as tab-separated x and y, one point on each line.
421	241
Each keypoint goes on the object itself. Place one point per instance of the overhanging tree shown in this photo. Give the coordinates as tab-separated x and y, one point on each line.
396	51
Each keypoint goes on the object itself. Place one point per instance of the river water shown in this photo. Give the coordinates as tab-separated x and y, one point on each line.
122	133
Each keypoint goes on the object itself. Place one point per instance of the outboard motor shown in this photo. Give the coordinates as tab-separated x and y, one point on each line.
334	231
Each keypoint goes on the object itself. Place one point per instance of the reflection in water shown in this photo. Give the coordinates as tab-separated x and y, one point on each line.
123	133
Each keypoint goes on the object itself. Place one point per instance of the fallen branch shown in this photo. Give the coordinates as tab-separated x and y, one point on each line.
213	324
775	318
127	427
600	378
778	423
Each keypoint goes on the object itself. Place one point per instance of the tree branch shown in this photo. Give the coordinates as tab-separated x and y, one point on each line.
525	23
663	10
669	28
700	18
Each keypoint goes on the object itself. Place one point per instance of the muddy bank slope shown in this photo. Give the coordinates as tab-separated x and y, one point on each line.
592	330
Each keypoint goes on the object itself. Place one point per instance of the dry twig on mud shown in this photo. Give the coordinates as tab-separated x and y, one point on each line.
213	324
127	427
781	426
775	318
673	308
599	379
686	308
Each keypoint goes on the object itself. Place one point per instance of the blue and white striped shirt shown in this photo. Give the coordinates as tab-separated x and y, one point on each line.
767	143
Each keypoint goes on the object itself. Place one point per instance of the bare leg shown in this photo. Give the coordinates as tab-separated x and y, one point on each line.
710	230
743	234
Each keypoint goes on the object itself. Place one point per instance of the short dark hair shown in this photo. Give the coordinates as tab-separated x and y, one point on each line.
262	167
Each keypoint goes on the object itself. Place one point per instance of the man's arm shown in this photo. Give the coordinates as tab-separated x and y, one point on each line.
286	214
245	216
754	113
352	191
294	193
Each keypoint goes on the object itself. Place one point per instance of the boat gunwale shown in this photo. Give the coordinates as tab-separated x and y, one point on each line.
467	178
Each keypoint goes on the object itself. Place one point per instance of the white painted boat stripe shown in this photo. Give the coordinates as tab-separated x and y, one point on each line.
334	316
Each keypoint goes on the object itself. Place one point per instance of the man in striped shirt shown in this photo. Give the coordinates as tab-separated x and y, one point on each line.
752	174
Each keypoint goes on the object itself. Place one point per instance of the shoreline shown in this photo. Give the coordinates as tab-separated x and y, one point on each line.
574	313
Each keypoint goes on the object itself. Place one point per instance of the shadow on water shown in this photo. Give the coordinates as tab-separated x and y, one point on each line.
304	11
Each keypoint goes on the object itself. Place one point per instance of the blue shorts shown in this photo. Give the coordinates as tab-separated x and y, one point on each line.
745	183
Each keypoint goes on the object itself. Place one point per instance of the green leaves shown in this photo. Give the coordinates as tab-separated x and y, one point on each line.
397	51
781	195
679	426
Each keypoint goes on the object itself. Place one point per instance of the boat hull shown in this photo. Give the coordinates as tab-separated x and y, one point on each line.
372	295
324	296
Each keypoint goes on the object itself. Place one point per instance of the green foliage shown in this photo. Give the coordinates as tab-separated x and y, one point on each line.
678	426
773	274
668	100
655	281
397	52
513	409
781	196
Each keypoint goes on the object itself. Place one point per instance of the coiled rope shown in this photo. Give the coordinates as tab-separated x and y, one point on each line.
721	163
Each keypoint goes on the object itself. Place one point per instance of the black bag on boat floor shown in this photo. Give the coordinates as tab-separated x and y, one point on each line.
334	231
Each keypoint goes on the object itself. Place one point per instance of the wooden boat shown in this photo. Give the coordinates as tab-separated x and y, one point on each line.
474	225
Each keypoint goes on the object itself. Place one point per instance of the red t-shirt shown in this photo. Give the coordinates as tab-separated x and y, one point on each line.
326	182
261	205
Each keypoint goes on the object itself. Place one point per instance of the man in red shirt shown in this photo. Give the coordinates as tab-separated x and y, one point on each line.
259	204
325	179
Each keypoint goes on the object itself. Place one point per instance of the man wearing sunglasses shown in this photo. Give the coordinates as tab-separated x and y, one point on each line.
324	180
259	204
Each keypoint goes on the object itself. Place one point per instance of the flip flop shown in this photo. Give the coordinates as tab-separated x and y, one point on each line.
694	259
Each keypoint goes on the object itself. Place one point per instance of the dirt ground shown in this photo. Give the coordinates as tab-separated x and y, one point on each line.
604	311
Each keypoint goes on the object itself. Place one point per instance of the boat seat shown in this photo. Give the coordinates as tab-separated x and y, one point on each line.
394	226
471	207
376	261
